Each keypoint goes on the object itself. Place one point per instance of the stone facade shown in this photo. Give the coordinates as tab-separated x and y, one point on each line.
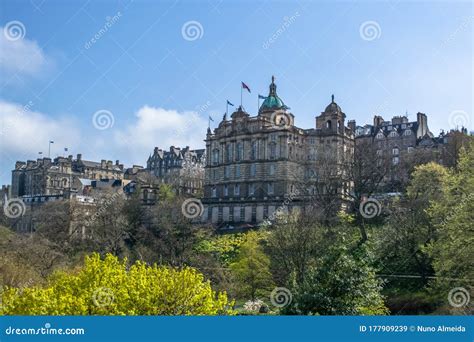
180	167
59	176
399	142
256	164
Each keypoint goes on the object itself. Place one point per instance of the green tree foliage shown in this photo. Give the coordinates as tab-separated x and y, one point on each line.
402	243
342	283
251	269
453	216
107	287
224	247
329	271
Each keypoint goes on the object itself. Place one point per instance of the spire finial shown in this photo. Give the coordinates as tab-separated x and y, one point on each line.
332	98
273	79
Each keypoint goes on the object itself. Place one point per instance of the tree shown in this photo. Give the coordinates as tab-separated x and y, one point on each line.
251	270
453	217
293	244
342	283
107	287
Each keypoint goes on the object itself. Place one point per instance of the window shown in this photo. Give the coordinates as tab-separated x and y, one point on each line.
253	170
328	124
237	171
251	189
253	151
214	174
215	156
379	152
395	151
227	171
272	151
395	160
270	188
273	137
214	192
236	190
393	134
311	141
226	190
239	151
410	149
272	169
379	136
228	153
407	132
389	128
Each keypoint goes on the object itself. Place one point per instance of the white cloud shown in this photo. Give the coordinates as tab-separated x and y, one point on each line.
163	128
25	132
22	56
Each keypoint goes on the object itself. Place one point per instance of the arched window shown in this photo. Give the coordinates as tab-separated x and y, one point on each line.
272	151
328	124
228	152
407	132
393	134
379	136
215	156
253	151
239	151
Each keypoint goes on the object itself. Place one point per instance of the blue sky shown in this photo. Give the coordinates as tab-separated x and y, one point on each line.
158	82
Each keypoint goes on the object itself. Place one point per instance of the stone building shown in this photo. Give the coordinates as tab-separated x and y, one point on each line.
59	176
181	167
257	164
399	142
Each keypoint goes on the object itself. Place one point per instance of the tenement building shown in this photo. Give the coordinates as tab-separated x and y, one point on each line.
61	176
182	168
399	144
259	165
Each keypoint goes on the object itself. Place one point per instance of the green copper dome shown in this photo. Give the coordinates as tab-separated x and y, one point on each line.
272	101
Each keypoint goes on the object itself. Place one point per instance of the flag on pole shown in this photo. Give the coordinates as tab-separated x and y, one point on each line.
230	104
211	119
65	149
51	142
261	97
244	86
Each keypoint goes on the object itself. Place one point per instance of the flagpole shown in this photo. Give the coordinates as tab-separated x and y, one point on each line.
241	88
227	108
258	102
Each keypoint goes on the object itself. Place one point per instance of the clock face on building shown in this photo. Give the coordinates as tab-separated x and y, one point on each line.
280	119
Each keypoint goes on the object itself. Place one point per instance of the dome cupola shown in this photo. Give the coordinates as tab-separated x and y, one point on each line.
272	102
